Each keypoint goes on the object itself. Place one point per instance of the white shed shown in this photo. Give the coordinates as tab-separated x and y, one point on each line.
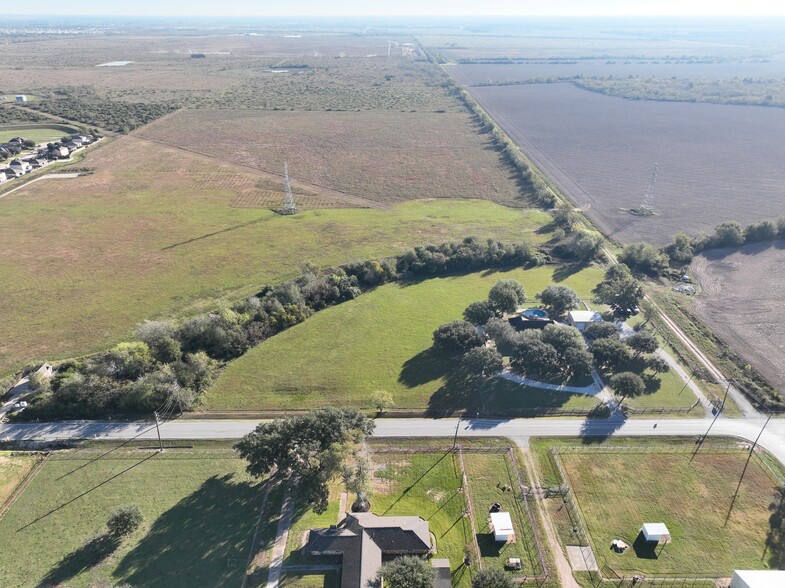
758	579
502	527
580	319
656	532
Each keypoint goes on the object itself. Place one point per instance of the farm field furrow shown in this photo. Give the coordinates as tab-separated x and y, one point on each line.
739	300
382	156
155	231
716	162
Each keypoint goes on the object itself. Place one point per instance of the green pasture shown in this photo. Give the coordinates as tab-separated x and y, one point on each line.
80	270
199	511
34	133
712	534
382	340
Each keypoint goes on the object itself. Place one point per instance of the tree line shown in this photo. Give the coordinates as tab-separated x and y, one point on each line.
172	363
648	259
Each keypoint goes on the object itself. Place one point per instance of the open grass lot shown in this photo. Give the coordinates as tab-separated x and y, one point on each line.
39	134
692	498
736	302
383	340
309	580
13	470
199	512
382	156
488	474
600	150
155	231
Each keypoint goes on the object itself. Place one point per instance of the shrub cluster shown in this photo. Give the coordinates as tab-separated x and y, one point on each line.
81	103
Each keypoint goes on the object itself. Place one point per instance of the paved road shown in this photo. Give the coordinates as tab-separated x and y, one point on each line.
519	430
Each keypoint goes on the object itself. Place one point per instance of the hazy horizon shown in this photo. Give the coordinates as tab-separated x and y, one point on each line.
402	8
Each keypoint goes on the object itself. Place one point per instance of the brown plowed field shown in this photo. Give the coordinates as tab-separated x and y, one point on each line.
740	301
381	156
716	162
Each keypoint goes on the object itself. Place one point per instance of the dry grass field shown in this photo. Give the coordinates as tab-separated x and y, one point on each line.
716	162
157	231
332	71
383	156
739	301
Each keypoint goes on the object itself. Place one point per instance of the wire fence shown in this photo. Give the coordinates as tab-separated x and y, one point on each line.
623	579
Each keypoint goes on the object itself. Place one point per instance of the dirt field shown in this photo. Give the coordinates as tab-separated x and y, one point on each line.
716	162
739	301
382	156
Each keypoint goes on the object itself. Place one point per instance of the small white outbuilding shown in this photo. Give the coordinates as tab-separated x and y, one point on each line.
656	532
758	579
502	527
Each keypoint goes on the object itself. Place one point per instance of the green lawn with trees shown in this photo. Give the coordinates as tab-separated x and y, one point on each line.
383	341
56	532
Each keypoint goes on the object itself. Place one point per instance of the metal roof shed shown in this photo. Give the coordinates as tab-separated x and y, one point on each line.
502	527
656	532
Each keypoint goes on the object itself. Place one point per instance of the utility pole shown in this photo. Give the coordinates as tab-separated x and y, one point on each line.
455	439
744	471
158	430
714	420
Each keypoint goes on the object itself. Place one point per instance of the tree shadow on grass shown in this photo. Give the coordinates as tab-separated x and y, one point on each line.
201	541
80	560
775	538
565	271
425	367
473	396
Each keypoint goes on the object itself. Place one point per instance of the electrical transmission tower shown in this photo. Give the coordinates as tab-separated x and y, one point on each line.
288	200
647	206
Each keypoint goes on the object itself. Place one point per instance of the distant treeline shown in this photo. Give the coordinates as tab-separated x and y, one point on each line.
81	103
534	182
743	91
172	363
749	91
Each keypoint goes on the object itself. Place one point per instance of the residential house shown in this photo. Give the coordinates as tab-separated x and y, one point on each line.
12	173
61	153
20	165
37	163
580	319
364	540
523	323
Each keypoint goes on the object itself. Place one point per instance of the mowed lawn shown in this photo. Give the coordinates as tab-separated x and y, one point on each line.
382	340
37	134
199	511
153	232
618	493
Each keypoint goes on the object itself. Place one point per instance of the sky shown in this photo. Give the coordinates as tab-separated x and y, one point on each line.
231	8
